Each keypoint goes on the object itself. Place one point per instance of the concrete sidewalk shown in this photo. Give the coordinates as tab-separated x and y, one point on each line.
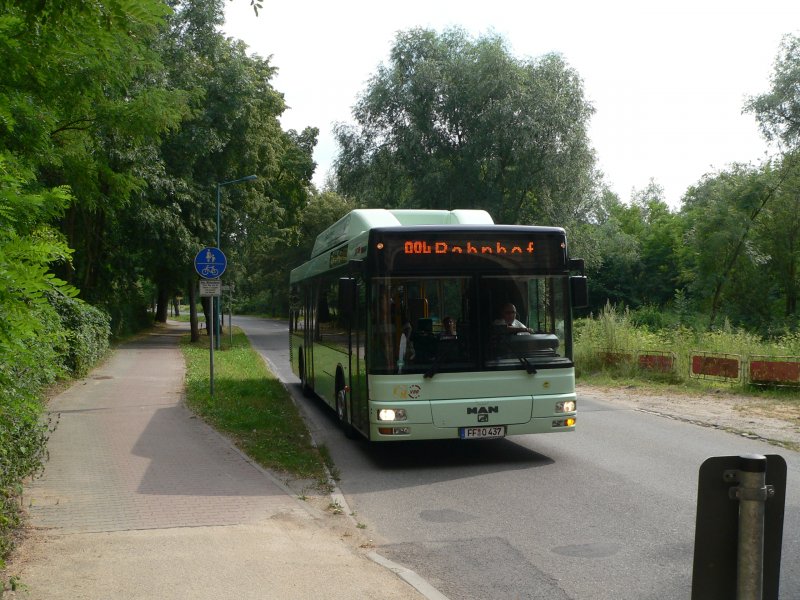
140	499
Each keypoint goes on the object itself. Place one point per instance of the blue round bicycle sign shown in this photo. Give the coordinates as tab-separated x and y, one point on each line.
210	263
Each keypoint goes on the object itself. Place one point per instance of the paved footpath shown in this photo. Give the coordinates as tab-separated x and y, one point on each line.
140	499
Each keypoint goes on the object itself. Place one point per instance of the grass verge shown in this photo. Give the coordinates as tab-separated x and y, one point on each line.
250	406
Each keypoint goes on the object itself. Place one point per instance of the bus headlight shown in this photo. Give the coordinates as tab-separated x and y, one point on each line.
565	406
392	414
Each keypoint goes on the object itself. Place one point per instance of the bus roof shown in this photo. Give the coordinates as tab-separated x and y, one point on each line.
354	227
358	221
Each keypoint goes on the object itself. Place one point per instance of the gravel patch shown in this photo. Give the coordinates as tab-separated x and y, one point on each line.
774	421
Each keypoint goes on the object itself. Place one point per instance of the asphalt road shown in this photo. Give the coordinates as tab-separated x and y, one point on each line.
607	512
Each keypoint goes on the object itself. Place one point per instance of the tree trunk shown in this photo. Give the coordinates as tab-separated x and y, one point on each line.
207	313
162	305
193	310
69	230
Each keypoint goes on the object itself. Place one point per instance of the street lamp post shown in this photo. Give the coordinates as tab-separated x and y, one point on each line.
215	308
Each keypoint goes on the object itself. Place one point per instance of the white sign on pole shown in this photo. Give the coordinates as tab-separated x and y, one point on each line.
210	288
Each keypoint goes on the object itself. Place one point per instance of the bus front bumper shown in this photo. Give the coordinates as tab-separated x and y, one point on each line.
398	431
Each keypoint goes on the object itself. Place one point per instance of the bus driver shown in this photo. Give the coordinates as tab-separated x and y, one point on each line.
509	320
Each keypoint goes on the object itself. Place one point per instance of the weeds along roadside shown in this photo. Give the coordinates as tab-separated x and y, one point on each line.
251	407
606	346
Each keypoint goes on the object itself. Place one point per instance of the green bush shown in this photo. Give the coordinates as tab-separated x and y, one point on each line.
69	337
128	307
23	447
652	317
29	361
262	303
128	318
87	333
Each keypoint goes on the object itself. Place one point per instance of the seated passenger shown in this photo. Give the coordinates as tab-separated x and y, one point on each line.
406	351
509	323
449	332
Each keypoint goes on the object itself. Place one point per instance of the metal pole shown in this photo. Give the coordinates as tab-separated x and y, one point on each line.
219	185
752	494
211	336
216	310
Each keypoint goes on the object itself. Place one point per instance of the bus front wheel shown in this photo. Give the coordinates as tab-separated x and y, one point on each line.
341	413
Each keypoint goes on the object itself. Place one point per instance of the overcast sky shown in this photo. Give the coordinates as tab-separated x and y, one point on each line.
667	80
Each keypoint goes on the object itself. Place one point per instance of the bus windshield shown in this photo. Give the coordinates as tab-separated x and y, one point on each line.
435	325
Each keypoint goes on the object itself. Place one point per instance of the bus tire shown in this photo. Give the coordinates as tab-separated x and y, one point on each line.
341	413
304	387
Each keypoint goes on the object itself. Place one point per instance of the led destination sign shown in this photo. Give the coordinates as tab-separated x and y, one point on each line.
484	250
468	247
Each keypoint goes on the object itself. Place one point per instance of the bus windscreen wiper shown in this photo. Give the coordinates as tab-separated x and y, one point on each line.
432	371
528	366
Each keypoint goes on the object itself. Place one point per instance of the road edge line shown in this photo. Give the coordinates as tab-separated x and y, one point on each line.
409	576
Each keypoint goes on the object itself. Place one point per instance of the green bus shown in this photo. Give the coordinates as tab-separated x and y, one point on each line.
397	323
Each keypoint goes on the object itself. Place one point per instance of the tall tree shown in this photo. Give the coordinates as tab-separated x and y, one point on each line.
778	114
270	258
453	122
612	253
721	212
233	131
778	110
76	111
658	231
777	238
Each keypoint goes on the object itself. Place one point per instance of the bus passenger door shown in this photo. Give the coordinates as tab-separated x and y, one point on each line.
356	326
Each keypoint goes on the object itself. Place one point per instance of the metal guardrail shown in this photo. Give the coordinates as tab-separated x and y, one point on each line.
656	360
773	370
716	366
754	369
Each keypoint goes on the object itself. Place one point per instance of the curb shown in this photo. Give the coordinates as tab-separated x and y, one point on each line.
410	577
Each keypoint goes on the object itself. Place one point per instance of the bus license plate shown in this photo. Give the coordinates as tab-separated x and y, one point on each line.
474	433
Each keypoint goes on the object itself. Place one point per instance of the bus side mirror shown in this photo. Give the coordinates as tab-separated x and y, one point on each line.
347	297
577	264
579	290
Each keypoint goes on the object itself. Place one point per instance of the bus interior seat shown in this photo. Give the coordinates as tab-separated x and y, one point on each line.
418	309
425	326
424	340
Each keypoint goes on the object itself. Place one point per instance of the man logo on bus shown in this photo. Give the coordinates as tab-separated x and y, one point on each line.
482	410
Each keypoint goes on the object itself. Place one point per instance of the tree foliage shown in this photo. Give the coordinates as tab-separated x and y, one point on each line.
270	259
453	122
631	249
28	247
139	108
117	120
778	110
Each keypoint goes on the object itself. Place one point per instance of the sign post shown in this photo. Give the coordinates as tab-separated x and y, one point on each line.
210	264
739	530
